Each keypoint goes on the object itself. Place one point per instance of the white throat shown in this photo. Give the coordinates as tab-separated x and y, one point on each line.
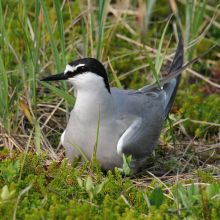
92	93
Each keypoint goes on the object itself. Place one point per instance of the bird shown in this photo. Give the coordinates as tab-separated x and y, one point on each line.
130	121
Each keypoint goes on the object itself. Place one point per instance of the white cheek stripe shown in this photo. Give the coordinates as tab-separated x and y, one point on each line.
72	68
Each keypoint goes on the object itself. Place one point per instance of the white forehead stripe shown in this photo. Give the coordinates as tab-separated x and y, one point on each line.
72	68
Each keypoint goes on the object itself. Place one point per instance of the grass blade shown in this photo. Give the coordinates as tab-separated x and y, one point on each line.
26	112
37	36
84	38
97	134
37	136
4	96
60	92
79	149
115	76
161	43
152	67
162	58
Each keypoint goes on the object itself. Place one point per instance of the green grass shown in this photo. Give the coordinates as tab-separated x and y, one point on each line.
38	39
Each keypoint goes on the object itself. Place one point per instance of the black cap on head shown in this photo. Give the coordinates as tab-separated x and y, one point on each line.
90	64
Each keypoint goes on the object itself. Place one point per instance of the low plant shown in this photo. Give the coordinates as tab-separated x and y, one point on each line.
126	162
89	186
9	172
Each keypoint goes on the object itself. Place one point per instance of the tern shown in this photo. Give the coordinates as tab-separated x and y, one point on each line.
130	122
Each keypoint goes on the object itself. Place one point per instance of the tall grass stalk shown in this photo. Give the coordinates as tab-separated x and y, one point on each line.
101	17
194	14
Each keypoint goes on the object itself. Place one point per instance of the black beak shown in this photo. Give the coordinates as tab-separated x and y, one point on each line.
59	76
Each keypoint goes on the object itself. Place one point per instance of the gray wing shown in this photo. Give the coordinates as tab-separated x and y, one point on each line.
144	115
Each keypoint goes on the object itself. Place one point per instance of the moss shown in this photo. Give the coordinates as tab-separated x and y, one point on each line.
196	107
49	182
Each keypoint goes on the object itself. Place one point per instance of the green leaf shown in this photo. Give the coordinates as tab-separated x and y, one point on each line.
181	188
5	193
197	198
128	160
185	199
124	158
97	189
191	191
156	197
60	92
80	182
126	169
211	191
88	183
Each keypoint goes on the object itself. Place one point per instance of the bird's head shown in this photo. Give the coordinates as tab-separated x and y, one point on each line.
83	73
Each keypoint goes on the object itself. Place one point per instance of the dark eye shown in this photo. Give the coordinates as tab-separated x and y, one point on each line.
82	69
